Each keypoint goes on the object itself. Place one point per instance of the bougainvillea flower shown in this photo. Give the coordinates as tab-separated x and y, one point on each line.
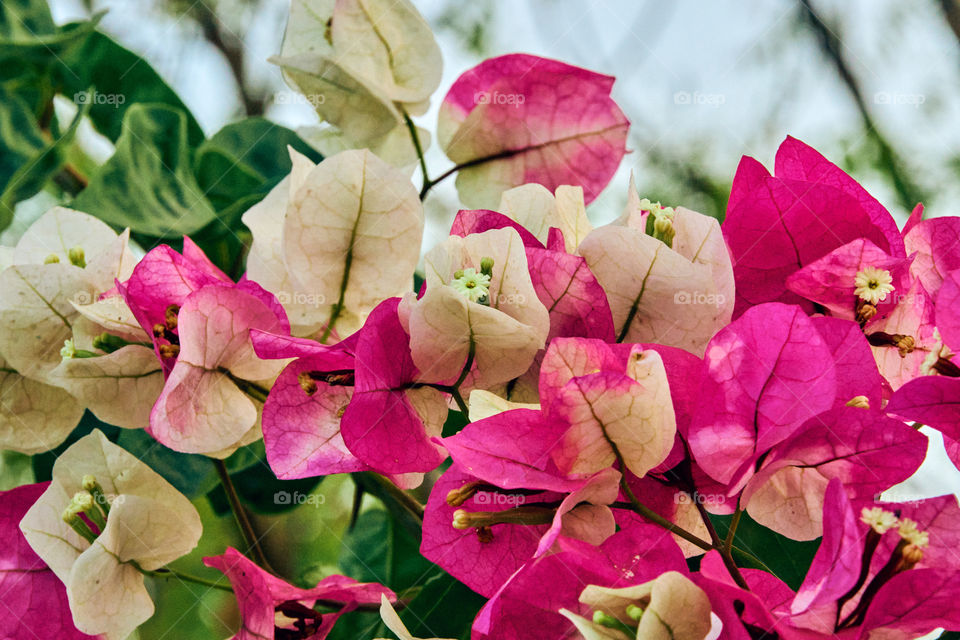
616	409
669	607
522	603
335	239
865	449
391	419
159	286
518	119
536	209
766	374
945	309
272	608
64	260
832	280
301	417
882	569
504	501
576	302
348	407
35	601
205	406
123	517
362	64
774	226
674	287
496	336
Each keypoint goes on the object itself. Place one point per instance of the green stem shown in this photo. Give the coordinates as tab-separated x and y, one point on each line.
721	545
252	389
170	573
412	128
732	531
656	518
402	497
243	519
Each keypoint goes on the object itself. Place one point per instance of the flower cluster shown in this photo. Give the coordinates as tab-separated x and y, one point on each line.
634	393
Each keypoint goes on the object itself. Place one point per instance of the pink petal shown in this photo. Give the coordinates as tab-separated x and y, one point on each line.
482	566
798	161
383	425
258	593
511	450
539	120
857	373
34	600
932	400
479	220
935	241
863	448
577	303
830	280
836	566
767	373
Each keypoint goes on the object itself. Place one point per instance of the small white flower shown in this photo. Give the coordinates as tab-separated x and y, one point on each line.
68	350
879	519
908	530
474	286
873	284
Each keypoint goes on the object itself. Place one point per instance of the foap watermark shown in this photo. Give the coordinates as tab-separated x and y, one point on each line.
292	97
898	99
495	97
495	498
700	99
301	298
682	497
296	498
699	298
94	97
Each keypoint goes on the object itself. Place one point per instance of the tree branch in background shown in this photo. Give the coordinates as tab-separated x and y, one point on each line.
831	44
951	13
230	46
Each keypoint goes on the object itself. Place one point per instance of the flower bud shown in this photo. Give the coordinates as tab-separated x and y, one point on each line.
77	257
51	259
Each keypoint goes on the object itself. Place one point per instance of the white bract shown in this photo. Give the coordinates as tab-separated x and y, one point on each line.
148	524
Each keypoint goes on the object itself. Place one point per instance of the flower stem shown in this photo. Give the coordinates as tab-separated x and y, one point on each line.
657	519
412	128
732	531
402	497
243	519
167	573
723	546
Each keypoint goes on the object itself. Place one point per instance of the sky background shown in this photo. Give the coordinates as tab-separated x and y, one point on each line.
703	83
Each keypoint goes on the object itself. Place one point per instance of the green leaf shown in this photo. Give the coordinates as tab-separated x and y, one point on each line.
244	157
20	141
28	33
236	168
34	172
43	462
191	474
263	492
785	558
121	79
148	183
